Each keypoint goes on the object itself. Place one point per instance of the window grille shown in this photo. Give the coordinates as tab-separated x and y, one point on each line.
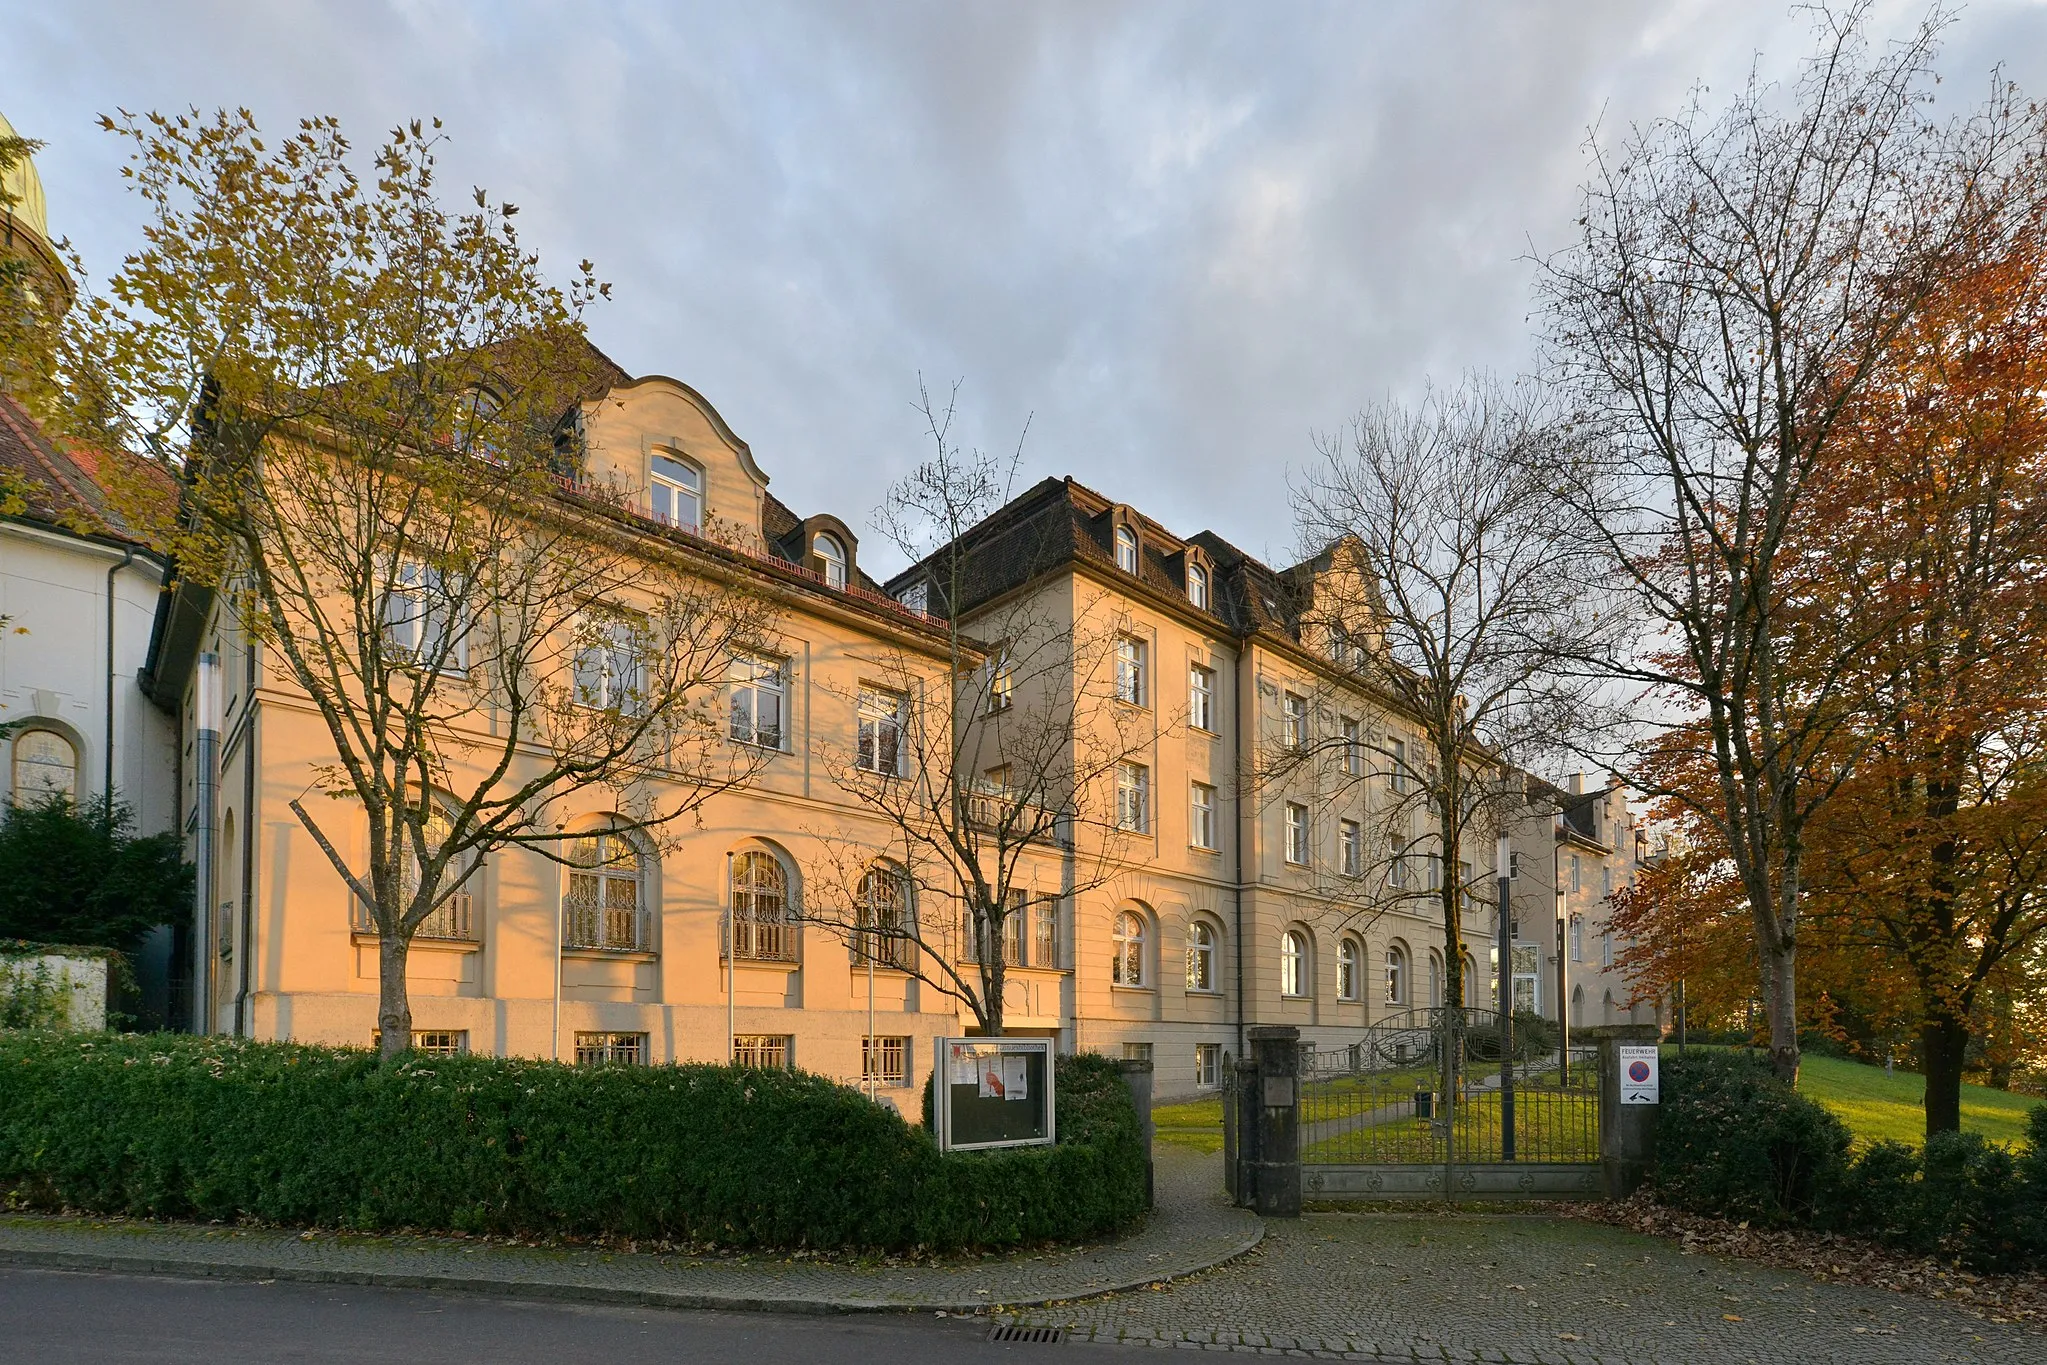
601	908
1045	950
432	1042
768	1051
761	928
885	1061
45	763
881	934
881	732
611	1049
454	919
758	692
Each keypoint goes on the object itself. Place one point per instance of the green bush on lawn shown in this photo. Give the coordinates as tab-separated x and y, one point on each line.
215	1128
1733	1140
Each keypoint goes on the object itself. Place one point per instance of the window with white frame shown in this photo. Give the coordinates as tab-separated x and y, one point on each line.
676	494
882	718
1001	682
1296	833
1396	771
1396	863
1577	938
1197	586
601	906
885	1061
762	928
1606	950
479	413
1353	748
422	617
1201	697
759	694
1351	843
1133	798
1293	963
1396	975
1126	549
1464	883
1201	815
1294	721
609	669
916	596
1605	881
1577	877
1339	646
1514	864
1201	973
1130	670
1434	864
1208	1065
611	1049
454	919
1348	969
831	556
1435	980
1126	968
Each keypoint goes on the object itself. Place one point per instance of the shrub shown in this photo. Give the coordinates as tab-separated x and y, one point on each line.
222	1129
79	874
1733	1140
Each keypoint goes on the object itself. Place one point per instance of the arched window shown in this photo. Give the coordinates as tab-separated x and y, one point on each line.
1126	549
1128	967
1347	969
1293	963
601	907
882	937
1197	586
1396	975
676	493
761	928
1577	1006
455	917
45	765
1606	1008
1201	957
833	556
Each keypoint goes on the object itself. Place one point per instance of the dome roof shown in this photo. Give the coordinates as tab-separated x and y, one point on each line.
25	189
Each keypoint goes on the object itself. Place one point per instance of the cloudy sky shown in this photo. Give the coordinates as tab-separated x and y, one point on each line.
1181	238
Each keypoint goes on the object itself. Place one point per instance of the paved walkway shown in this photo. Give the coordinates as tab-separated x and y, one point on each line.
1192	1229
1528	1290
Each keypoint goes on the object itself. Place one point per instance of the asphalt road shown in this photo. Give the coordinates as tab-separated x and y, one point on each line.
57	1316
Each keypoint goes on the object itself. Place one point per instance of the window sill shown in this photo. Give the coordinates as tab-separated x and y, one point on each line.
1205	992
1204	848
769	749
780	963
1135	990
466	945
610	954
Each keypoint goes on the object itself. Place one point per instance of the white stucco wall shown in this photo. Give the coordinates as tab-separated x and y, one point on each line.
53	665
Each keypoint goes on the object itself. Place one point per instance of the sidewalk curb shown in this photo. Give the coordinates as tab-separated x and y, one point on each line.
146	1263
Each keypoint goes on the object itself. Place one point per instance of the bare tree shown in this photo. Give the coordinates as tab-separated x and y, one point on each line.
378	402
997	769
1450	585
1738	279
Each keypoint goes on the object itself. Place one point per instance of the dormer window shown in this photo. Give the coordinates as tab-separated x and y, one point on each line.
917	596
831	559
1126	549
1197	586
676	492
476	421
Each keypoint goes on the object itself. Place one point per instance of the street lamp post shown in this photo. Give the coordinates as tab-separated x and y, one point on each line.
1505	938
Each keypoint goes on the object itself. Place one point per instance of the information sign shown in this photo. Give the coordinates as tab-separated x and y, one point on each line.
993	1092
1639	1080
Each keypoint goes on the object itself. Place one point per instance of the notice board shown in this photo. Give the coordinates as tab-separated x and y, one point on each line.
993	1092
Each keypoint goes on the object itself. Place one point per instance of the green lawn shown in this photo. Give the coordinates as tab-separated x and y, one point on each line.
1876	1106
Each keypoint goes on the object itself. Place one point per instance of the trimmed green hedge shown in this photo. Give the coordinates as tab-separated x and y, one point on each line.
1733	1140
216	1128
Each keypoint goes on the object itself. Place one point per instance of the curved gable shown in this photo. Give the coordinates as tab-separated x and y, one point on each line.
654	414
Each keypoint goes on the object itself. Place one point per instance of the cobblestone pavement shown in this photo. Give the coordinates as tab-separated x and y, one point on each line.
1525	1289
1192	1229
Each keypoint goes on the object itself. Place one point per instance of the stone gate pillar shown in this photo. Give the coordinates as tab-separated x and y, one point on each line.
1137	1079
1627	1132
1275	1168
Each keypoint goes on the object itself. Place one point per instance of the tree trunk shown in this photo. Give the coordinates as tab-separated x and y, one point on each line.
394	1008
1780	1005
1943	1039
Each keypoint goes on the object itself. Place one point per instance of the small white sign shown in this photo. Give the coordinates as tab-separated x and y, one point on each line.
1639	1081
